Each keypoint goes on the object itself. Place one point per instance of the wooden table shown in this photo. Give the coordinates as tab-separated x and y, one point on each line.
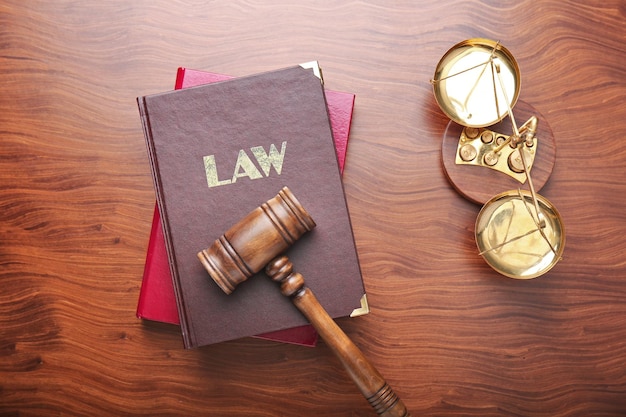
451	336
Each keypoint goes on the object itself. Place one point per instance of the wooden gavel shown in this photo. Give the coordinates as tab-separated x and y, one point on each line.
255	242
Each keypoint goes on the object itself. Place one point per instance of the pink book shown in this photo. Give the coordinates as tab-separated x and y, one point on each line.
157	301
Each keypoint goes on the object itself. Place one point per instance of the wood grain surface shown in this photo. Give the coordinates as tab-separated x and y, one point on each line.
451	336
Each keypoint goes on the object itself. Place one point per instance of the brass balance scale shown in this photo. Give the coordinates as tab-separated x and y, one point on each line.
518	232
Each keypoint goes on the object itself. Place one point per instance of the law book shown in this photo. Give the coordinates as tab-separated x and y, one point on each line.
218	151
156	298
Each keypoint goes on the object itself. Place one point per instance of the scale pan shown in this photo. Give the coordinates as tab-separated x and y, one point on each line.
510	241
467	86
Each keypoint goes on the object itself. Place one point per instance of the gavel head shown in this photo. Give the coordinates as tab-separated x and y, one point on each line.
255	240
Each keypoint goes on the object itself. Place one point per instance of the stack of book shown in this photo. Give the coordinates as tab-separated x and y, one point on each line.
219	147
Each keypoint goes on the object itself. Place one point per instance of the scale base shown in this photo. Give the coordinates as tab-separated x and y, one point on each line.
480	183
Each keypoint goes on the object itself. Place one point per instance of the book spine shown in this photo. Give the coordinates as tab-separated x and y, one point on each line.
145	281
180	77
147	131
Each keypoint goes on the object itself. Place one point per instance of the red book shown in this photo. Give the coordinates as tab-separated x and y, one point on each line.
157	300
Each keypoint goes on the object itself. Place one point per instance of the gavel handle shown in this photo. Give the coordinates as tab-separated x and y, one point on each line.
369	381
